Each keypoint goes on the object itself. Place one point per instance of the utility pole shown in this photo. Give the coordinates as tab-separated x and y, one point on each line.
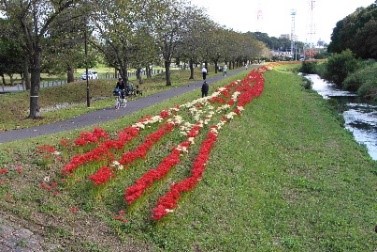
293	31
312	28
259	18
86	64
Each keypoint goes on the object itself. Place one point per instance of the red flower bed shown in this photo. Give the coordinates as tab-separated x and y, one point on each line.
221	106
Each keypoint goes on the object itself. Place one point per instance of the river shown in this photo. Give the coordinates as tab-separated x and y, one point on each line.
360	117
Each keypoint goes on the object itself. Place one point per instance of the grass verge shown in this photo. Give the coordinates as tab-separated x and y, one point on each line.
285	176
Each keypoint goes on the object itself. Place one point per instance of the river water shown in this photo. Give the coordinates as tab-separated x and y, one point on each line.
360	118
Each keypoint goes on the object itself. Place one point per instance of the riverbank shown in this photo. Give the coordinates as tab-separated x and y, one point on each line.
284	176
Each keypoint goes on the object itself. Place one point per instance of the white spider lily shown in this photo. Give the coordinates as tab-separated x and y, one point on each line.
235	95
240	108
182	149
220	124
230	115
138	125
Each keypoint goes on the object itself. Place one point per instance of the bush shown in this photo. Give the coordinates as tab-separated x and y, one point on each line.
340	65
321	70
368	90
354	81
306	83
308	67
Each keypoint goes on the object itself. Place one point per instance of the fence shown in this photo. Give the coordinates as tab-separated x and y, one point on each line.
54	83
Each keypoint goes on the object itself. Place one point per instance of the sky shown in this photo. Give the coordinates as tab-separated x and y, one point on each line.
276	16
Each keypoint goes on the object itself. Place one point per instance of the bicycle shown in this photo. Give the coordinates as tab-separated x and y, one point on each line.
120	100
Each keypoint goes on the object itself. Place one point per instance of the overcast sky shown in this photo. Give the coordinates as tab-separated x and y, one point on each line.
276	15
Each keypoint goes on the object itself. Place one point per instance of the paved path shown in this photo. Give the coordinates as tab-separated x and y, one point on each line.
100	116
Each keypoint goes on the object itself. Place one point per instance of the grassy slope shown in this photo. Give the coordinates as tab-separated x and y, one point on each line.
284	177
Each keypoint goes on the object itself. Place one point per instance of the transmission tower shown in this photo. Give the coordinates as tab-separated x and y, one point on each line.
312	26
293	31
259	18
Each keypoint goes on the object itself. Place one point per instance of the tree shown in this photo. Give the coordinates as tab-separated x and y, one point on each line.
357	32
192	42
32	19
11	59
65	44
167	22
120	26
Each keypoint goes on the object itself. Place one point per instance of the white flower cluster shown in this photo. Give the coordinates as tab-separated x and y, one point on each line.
223	107
235	95
115	164
215	131
56	153
154	119
230	115
220	124
182	149
240	108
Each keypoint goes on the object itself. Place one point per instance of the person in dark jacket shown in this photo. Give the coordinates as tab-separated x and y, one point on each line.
205	88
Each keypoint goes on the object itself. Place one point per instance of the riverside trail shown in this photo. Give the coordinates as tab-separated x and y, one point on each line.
107	114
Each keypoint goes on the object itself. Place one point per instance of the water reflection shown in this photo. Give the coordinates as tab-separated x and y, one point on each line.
360	118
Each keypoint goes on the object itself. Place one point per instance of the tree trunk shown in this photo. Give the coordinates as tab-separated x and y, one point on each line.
191	65
35	83
148	70
4	82
70	74
26	76
167	73
216	66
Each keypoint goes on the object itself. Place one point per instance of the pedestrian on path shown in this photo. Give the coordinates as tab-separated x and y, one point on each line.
204	72
205	89
225	69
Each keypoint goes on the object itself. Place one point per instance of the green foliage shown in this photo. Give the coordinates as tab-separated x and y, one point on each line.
308	67
357	32
306	83
366	73
368	89
340	65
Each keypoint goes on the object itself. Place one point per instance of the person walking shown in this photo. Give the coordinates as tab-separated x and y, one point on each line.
205	89
225	69
204	72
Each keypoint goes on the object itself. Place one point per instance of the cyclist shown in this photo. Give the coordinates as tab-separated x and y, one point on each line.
120	90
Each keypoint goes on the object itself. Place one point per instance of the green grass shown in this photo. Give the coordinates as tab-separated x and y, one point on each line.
285	176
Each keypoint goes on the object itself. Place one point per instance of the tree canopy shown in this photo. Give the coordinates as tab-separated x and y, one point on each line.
357	32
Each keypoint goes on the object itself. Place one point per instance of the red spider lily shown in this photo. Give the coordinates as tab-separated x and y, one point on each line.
247	89
101	176
103	151
19	169
48	186
164	114
74	209
46	149
135	191
91	137
65	142
142	150
3	171
120	216
169	201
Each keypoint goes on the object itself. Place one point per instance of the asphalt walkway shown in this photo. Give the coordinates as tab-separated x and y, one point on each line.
100	116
